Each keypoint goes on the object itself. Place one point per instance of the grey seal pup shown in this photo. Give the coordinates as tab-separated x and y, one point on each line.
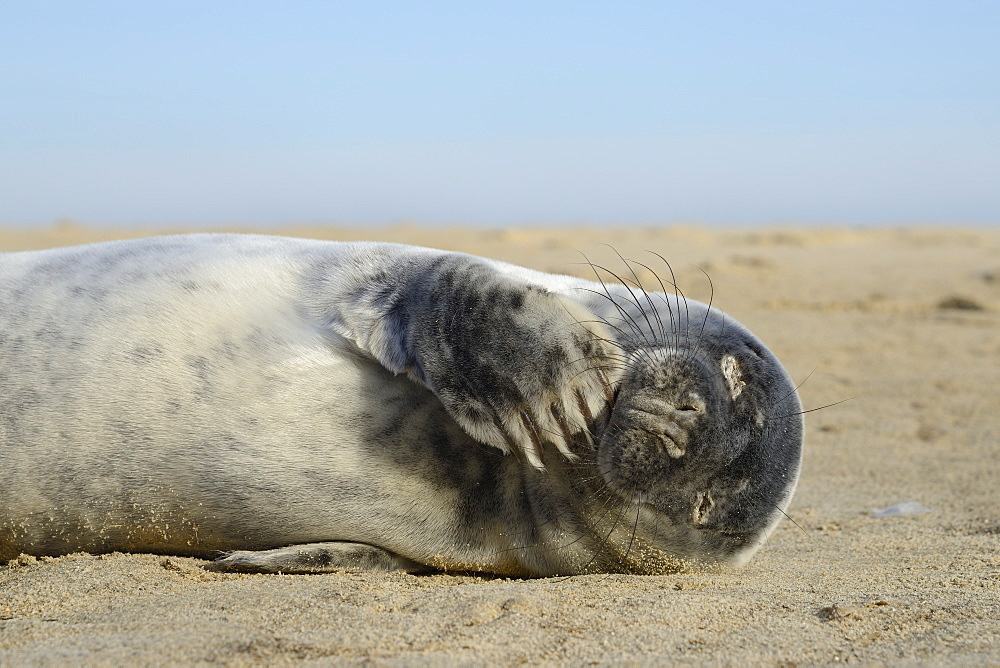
308	406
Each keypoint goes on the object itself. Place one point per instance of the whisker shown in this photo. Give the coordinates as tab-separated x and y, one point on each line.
656	311
674	326
635	529
638	284
605	540
622	311
623	283
812	410
708	310
794	390
678	294
635	300
637	345
789	518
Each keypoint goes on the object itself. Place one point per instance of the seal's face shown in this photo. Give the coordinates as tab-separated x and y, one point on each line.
706	438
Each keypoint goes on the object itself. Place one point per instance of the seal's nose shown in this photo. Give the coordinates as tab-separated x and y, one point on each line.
668	421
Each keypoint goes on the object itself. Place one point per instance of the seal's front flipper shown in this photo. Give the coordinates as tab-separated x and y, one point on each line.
515	364
318	558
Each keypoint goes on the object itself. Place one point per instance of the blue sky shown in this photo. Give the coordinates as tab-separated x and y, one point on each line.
506	113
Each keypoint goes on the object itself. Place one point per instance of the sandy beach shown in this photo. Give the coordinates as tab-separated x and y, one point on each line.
902	326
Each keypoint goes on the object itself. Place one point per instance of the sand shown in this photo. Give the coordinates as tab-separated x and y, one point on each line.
904	324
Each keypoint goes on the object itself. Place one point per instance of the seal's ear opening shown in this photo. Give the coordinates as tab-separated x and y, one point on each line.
733	375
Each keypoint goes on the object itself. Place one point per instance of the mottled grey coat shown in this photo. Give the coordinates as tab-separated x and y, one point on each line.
300	406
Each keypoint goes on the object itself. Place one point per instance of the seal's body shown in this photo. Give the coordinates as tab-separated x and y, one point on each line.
307	406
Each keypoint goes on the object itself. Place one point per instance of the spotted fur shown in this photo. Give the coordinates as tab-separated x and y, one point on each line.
306	406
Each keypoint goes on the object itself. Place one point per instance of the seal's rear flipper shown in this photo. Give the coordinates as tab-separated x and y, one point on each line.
318	558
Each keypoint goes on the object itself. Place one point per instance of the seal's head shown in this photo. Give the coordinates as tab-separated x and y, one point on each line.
705	438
